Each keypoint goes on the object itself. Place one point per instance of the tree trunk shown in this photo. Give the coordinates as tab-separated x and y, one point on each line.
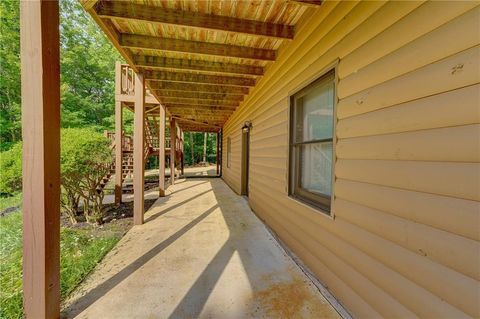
205	147
191	148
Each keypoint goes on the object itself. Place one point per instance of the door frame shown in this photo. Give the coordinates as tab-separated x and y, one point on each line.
246	129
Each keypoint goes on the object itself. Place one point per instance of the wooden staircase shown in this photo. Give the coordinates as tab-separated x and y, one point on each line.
151	148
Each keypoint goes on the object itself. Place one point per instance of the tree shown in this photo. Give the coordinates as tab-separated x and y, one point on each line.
205	147
11	170
191	149
86	159
195	143
87	61
10	125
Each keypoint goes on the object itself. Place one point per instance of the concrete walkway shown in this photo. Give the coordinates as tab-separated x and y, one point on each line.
202	253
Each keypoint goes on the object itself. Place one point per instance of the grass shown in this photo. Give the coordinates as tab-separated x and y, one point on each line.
80	249
12	201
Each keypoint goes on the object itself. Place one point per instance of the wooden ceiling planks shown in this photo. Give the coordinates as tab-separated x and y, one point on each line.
156	15
195	47
199	57
198	78
197	87
154	62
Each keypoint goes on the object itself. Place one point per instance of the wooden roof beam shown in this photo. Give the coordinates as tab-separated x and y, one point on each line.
310	3
200	107
159	15
146	61
174	100
204	119
88	4
200	111
200	95
195	47
197	78
197	87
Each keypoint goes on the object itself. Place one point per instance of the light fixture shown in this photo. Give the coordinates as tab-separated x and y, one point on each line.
247	126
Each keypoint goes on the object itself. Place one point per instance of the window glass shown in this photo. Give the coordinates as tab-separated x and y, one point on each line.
315	114
316	168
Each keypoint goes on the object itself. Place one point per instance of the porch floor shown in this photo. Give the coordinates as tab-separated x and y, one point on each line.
201	253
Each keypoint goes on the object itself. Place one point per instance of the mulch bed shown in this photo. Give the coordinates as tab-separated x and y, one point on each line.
118	219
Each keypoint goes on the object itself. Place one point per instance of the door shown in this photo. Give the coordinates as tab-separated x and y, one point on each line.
245	157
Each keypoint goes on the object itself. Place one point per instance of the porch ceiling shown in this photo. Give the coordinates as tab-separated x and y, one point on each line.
199	57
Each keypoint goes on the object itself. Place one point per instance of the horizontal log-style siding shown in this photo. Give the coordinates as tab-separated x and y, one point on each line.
405	238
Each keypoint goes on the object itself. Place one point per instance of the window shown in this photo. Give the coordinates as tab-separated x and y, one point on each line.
311	142
229	151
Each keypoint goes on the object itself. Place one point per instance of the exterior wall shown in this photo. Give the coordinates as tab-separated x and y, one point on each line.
405	238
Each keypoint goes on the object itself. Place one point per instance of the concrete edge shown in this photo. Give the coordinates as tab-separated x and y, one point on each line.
337	305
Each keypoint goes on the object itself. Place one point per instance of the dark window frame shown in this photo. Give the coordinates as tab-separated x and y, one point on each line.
321	202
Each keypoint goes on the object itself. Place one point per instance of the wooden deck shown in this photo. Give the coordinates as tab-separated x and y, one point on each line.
201	253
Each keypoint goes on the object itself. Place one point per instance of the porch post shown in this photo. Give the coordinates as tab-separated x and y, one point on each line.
221	152
161	152
173	137
182	152
118	135
138	149
218	153
39	34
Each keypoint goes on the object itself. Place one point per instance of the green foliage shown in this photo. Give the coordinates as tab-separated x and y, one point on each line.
88	70
87	61
10	126
82	150
80	251
197	138
11	266
11	170
85	159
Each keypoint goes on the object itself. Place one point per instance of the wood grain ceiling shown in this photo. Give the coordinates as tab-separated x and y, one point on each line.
199	57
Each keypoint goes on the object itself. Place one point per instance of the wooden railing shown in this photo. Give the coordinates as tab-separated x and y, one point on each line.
127	81
127	141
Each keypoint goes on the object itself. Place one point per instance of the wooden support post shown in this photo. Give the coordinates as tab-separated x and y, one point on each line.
218	153
221	152
118	135
161	152
138	150
40	54
182	138
173	136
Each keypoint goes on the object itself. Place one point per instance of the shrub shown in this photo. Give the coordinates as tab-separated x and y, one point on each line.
11	170
86	158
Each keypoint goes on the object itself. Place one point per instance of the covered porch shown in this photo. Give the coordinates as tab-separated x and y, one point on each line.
202	253
199	251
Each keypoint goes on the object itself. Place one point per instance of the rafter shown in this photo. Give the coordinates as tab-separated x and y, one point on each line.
181	119
200	107
197	87
146	61
174	100
198	78
195	47
88	4
199	110
159	15
200	95
311	3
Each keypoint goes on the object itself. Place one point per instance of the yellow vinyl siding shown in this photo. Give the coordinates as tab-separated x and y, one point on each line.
450	73
458	107
405	238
